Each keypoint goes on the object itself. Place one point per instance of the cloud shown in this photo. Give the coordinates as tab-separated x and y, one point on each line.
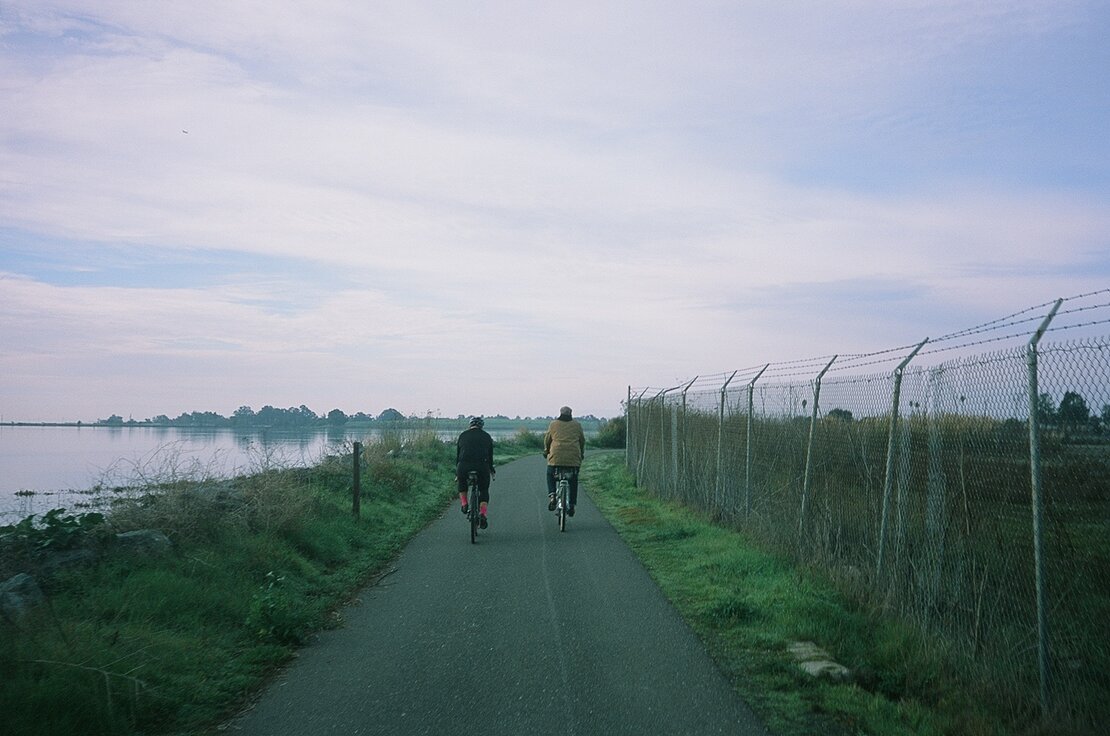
427	197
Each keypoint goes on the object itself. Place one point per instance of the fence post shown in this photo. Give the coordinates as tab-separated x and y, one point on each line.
720	443
809	452
662	396
627	425
356	485
890	446
641	448
680	459
748	447
1038	511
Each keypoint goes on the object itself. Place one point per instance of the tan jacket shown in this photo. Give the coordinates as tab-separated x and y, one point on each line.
564	443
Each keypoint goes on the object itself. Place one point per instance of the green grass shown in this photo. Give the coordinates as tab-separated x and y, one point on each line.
174	644
748	605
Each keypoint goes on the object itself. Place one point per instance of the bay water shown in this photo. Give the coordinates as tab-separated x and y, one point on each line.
46	467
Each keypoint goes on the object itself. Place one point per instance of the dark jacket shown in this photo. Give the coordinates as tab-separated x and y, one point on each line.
474	450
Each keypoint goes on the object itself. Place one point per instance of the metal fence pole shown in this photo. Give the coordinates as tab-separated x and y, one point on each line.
748	448
680	473
720	443
641	446
674	453
627	424
662	439
1038	512
888	483
809	451
662	396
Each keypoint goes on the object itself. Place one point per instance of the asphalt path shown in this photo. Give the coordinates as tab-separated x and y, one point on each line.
529	631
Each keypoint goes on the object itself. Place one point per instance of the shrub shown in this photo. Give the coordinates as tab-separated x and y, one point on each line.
611	434
275	501
525	437
56	531
425	447
388	475
275	614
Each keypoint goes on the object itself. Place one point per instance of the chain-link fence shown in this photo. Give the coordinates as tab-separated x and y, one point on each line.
964	490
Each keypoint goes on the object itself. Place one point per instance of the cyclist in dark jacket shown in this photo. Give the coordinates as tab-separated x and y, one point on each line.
474	451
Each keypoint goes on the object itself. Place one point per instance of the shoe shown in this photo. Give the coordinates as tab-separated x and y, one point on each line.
465	509
482	522
551	502
570	511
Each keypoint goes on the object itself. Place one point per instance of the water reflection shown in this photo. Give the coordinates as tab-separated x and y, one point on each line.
64	466
72	466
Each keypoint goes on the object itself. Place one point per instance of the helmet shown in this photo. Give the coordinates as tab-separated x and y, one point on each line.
477	422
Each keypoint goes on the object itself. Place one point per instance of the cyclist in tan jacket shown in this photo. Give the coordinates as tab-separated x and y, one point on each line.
564	445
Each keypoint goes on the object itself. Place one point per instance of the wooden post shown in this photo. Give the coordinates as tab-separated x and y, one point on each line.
356	486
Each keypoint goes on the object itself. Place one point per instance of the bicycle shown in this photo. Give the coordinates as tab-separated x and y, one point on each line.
562	495
473	503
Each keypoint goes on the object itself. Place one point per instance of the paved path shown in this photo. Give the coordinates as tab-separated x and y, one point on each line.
564	633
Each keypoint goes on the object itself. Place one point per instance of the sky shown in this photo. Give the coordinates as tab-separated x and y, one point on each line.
502	208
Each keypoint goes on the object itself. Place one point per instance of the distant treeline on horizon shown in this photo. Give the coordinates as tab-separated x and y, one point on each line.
302	417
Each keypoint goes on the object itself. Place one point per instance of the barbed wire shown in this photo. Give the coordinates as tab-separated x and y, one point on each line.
920	492
951	342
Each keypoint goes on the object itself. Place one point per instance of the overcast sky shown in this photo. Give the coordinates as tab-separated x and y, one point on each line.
504	207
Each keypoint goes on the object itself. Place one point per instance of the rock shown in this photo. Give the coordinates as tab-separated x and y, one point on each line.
225	492
19	594
827	668
144	541
816	662
54	561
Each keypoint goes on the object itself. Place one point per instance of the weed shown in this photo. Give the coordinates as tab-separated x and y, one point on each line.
275	614
748	605
526	438
55	531
172	643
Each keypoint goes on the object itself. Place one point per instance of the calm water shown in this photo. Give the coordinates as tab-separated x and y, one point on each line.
56	463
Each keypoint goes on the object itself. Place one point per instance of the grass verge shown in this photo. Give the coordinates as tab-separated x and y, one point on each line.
175	642
748	606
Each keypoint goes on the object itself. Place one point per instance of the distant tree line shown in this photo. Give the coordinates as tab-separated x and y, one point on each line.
300	417
268	416
1072	415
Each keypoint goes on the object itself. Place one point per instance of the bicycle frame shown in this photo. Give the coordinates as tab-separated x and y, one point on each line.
474	514
562	496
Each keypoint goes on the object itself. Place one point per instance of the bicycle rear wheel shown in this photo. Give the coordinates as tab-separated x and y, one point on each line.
562	506
474	514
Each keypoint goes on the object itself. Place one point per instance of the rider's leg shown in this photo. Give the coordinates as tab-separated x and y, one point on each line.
550	487
550	479
483	498
574	488
460	485
483	491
